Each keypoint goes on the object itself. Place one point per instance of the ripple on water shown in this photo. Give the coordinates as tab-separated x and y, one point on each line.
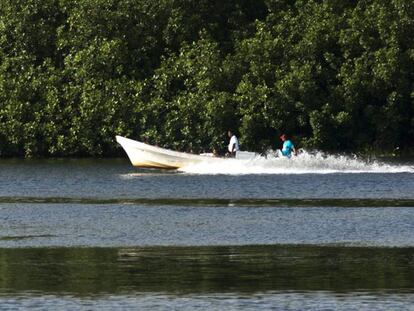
283	301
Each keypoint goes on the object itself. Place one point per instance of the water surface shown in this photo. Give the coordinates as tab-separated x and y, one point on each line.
118	179
188	278
102	235
115	225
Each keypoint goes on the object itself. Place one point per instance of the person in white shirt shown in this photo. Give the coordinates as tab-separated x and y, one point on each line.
233	145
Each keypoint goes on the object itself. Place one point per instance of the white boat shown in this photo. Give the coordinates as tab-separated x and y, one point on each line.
144	155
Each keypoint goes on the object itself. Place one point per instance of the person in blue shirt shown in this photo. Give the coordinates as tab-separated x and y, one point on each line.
288	146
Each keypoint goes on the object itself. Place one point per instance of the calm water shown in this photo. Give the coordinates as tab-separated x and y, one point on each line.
101	235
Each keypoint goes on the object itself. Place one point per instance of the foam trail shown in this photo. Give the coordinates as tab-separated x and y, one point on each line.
305	163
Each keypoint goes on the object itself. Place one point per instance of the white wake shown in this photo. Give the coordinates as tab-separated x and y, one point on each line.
305	163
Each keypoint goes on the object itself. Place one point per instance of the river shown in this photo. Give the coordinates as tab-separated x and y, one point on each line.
323	233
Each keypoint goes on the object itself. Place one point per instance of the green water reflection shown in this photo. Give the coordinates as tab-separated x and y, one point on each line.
176	270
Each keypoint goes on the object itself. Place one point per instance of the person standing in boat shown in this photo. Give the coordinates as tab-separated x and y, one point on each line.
233	146
288	146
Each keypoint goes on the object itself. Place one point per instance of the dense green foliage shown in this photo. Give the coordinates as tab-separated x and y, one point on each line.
336	75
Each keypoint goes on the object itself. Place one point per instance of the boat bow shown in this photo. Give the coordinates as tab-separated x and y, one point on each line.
144	155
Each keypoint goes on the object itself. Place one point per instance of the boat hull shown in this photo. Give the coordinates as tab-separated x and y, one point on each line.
147	156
